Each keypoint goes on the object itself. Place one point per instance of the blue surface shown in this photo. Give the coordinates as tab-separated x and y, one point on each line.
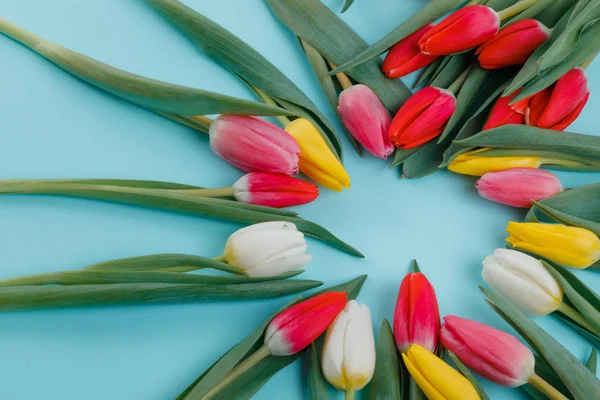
54	126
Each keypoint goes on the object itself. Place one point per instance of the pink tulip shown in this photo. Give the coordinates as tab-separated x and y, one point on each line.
252	144
512	45
462	30
295	328
518	186
417	317
274	190
503	114
491	353
406	57
367	119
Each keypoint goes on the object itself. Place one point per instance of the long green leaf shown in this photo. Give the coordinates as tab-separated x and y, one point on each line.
347	5
316	381
432	11
428	72
165	261
577	285
592	361
546	372
576	202
243	61
316	24
149	93
450	69
580	382
469	375
568	219
402	155
386	381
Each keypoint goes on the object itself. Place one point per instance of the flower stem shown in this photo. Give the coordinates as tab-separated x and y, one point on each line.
576	316
284	121
20	35
587	62
349	394
238	370
219	192
220	258
546	388
202	120
341	77
516	8
457	84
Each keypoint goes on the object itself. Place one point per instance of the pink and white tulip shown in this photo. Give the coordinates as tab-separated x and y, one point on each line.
367	119
254	145
274	190
517	187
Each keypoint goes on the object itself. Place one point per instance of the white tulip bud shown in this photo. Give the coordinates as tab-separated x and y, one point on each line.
349	353
267	249
522	280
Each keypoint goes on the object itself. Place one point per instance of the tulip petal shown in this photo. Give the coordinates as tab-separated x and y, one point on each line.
359	347
503	114
471	164
421	380
332	359
406	57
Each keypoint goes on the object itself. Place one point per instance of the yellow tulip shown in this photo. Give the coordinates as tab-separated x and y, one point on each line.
436	378
470	164
316	159
568	245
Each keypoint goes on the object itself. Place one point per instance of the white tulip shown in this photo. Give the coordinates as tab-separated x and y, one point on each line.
522	280
267	249
349	352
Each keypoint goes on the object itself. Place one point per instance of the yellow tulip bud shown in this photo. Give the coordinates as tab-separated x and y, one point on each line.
436	378
316	159
470	164
568	245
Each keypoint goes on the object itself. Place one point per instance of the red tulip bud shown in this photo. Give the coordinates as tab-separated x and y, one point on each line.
252	144
512	45
518	186
491	353
297	327
416	318
557	106
463	29
274	190
422	118
367	119
406	57
503	114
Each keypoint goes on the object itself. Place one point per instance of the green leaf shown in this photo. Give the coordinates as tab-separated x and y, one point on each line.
402	155
581	384
528	137
568	219
347	5
462	368
316	24
575	284
426	161
243	61
149	93
593	339
386	381
165	261
450	69
546	373
540	8
592	361
40	297
432	11
415	266
428	72
575	202
316	381
553	12
414	391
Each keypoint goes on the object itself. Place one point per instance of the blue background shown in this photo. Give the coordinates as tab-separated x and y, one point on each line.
54	126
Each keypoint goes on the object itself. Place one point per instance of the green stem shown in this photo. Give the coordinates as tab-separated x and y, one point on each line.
191	122
219	192
220	258
20	35
560	161
349	394
516	8
238	370
576	316
546	388
284	121
457	84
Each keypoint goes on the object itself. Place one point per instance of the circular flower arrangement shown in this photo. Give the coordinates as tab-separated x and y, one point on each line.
500	83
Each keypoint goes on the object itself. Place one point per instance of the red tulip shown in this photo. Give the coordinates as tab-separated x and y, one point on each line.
557	106
406	57
252	144
491	353
295	328
512	45
417	317
422	118
367	119
503	114
518	186
462	30
274	190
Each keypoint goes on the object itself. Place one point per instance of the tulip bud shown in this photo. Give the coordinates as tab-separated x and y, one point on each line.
267	249
462	30
512	45
568	245
437	379
557	106
422	118
491	353
316	159
367	119
274	190
503	114
517	187
349	352
296	328
470	164
405	56
522	280
417	317
252	144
